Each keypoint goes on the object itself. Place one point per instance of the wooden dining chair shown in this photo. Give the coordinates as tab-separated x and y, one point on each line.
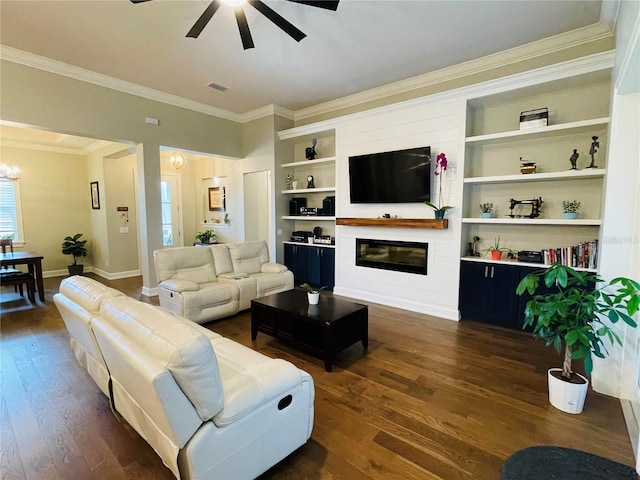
7	244
18	278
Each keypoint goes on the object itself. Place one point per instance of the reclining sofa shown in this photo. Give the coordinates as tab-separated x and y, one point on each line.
210	407
206	283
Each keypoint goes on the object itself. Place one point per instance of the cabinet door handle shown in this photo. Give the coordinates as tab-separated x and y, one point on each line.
486	272
491	272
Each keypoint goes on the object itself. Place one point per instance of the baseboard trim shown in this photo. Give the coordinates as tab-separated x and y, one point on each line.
633	427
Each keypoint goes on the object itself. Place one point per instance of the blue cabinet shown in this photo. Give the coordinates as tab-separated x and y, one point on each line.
312	264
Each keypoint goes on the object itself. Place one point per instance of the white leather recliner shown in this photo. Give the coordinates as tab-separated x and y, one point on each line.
210	407
208	283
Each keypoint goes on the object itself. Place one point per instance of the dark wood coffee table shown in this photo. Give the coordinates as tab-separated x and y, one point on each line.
323	330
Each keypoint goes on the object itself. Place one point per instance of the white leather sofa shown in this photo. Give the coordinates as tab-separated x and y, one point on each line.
210	407
212	282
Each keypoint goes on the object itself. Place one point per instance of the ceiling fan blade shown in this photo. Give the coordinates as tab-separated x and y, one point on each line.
276	18
243	27
204	19
326	4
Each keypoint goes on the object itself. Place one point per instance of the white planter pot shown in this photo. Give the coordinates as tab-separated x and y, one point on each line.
314	298
565	396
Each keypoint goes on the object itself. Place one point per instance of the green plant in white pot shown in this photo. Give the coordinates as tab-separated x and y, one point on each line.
313	294
575	317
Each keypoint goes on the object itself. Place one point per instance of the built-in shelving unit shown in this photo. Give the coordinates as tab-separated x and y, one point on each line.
307	163
539	177
513	262
308	190
309	218
535	221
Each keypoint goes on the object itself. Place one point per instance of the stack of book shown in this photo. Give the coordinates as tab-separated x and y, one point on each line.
583	255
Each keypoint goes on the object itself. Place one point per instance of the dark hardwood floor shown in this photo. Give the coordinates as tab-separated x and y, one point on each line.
430	399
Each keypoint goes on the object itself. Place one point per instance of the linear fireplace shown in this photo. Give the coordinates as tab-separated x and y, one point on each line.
409	257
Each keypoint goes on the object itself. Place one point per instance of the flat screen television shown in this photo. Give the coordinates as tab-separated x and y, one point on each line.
402	176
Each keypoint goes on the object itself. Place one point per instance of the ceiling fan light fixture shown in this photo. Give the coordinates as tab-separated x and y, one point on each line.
234	3
177	160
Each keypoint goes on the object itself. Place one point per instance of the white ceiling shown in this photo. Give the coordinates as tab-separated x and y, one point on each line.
363	45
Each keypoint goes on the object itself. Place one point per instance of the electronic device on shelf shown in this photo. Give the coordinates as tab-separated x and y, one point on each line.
301	236
531	256
295	204
325	240
329	206
310	211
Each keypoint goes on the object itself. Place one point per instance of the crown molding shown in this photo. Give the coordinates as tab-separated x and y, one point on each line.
529	51
56	149
267	111
60	68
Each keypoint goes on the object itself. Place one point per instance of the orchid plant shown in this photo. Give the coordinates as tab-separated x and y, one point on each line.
438	170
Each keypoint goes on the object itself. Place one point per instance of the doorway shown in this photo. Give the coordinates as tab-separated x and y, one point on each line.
171	210
257	206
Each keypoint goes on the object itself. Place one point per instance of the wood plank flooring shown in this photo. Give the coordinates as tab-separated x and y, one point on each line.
430	399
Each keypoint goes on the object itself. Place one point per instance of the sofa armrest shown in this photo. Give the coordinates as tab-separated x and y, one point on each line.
180	285
273	268
247	390
233	275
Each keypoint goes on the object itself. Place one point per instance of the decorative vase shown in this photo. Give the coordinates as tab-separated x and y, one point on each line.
570	215
486	214
439	214
566	396
496	254
314	298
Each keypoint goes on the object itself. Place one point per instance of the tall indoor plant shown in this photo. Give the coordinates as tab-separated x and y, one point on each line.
439	168
76	248
575	316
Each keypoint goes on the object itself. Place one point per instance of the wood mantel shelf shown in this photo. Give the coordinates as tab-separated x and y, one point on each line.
394	222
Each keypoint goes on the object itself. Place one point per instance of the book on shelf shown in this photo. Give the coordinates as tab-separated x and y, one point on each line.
582	255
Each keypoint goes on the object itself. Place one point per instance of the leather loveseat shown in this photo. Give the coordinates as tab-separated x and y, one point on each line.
210	407
206	283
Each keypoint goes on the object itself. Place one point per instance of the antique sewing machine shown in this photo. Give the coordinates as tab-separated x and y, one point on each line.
535	203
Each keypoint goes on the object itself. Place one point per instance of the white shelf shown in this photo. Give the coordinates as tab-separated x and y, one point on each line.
532	133
514	262
310	190
309	162
316	218
539	177
579	222
314	244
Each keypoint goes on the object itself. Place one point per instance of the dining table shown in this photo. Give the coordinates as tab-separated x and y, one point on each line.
33	260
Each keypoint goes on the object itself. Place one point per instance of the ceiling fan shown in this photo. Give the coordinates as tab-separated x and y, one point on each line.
241	19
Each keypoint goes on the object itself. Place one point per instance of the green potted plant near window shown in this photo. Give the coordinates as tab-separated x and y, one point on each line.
570	209
575	317
76	248
313	294
496	250
208	236
486	210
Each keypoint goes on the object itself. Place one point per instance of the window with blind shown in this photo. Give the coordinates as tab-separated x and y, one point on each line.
10	211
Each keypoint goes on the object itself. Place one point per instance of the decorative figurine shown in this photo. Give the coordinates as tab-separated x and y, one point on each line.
594	148
574	159
527	167
310	182
289	180
310	152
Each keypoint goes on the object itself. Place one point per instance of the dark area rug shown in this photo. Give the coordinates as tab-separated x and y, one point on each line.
558	463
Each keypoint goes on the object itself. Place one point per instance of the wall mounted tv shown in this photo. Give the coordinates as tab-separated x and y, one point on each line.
402	176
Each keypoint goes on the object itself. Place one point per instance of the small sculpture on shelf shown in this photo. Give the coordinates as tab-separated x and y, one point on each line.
595	144
535	203
527	167
289	180
310	152
574	159
310	183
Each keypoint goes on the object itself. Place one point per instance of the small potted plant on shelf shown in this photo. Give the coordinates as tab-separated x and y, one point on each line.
76	248
570	209
208	236
575	317
486	210
313	294
496	250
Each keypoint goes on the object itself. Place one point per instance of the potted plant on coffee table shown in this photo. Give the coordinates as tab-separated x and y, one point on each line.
575	317
313	294
76	248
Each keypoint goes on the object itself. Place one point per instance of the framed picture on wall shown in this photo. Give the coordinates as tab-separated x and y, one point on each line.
216	199
95	196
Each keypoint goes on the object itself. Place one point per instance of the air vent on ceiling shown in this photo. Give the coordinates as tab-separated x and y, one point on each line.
218	87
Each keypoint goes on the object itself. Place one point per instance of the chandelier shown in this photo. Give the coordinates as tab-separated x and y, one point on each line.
177	160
